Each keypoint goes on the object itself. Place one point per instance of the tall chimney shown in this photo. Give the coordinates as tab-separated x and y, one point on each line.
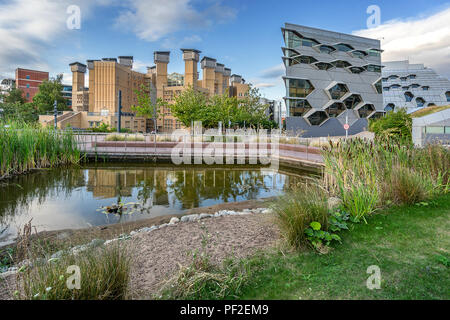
161	59
226	79
209	68
191	58
219	77
78	78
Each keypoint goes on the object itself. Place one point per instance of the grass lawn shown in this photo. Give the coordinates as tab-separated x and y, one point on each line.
411	245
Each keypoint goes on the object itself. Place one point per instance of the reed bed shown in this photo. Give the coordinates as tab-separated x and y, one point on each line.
24	147
367	175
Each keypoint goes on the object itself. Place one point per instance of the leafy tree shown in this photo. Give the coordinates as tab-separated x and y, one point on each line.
190	106
145	107
13	96
49	91
397	125
19	111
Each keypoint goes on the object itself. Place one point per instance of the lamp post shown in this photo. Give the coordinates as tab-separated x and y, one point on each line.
55	113
119	117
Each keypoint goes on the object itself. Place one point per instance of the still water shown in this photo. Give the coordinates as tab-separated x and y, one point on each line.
81	197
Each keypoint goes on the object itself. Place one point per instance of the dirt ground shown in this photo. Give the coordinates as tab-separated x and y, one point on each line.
158	254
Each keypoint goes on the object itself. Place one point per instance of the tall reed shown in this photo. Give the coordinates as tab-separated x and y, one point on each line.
24	147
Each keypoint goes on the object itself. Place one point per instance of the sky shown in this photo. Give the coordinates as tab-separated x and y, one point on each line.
245	35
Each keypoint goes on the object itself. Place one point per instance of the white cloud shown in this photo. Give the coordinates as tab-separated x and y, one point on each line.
152	20
264	85
274	72
173	43
422	40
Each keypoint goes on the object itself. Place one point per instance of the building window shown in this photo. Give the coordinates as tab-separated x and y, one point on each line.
317	118
374	53
426	88
298	108
379	87
28	95
415	86
352	101
335	109
28	77
359	54
403	78
393	77
366	110
340	64
338	91
356	70
299	88
344	47
408	96
435	130
323	65
326	49
447	95
294	40
28	85
412	76
389	107
420	102
373	68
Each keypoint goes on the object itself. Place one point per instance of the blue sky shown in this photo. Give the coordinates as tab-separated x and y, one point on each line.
244	35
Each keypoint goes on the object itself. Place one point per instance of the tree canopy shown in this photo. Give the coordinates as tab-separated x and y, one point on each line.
49	91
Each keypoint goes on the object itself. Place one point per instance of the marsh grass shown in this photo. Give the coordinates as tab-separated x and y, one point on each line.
105	274
24	147
295	210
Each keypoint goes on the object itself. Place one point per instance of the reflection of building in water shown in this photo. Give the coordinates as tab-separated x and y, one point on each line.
110	184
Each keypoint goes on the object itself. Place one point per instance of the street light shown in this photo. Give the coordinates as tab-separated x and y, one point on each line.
55	112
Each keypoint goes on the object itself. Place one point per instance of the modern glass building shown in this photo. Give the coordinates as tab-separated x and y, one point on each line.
413	86
331	79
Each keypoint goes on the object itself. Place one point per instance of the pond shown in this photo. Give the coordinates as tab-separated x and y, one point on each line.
86	196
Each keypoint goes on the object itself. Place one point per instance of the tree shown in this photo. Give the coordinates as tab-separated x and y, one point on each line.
49	91
13	96
19	111
190	106
145	106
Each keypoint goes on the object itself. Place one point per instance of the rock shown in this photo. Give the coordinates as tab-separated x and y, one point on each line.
96	243
110	241
267	211
163	225
174	220
190	218
205	215
334	203
57	254
132	233
7	274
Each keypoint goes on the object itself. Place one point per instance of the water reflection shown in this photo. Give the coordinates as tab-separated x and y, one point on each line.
69	198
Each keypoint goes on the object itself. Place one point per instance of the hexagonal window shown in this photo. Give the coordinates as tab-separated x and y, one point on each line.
335	109
323	65
389	107
377	115
408	96
344	47
356	70
341	64
420	102
299	88
359	54
317	118
338	91
297	108
326	48
290	53
373	68
366	110
379	86
353	101
447	96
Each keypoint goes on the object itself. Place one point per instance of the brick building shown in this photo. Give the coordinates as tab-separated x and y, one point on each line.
29	80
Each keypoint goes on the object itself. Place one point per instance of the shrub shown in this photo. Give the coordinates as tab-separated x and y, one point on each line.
395	125
295	211
104	276
121	137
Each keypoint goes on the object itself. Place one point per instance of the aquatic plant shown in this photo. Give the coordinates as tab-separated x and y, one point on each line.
24	147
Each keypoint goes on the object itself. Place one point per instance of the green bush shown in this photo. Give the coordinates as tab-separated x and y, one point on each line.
295	211
395	125
406	186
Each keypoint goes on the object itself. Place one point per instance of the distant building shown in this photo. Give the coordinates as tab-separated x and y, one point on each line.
29	80
331	79
67	94
99	103
5	86
413	86
432	128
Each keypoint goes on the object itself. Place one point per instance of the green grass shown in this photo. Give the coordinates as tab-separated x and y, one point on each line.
410	244
429	110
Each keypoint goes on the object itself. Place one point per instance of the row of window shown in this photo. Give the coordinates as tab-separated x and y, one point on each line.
293	40
413	86
405	78
291	61
437	130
